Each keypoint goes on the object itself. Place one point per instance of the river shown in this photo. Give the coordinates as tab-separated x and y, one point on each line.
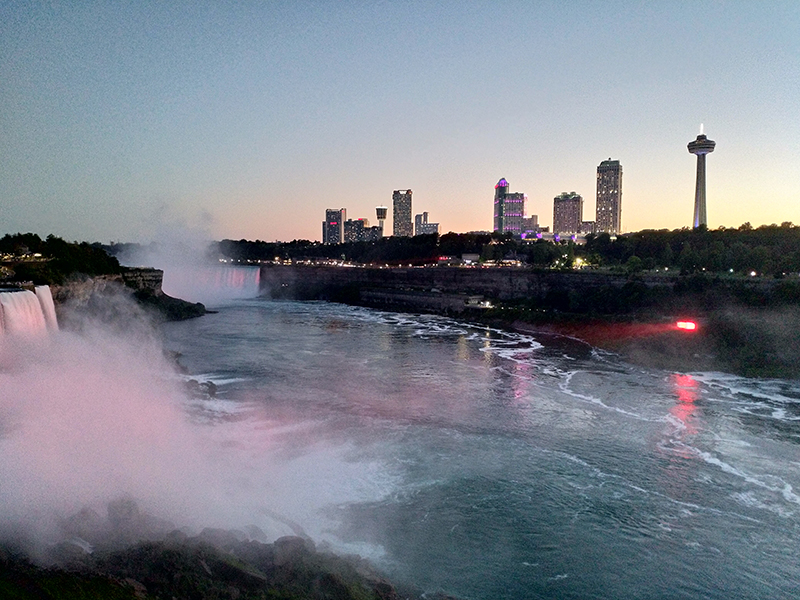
489	465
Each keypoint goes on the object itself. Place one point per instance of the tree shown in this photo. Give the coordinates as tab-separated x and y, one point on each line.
634	264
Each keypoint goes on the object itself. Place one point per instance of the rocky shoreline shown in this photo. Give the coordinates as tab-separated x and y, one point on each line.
215	564
130	554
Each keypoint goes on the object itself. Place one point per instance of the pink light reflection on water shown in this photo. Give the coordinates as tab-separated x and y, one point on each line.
686	389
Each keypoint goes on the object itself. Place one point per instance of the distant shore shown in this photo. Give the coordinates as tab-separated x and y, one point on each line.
746	326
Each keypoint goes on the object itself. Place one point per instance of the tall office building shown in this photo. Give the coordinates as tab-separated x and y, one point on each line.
354	230
509	209
422	227
567	213
333	227
701	146
401	214
609	197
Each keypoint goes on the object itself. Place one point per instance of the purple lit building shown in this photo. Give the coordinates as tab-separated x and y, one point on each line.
509	209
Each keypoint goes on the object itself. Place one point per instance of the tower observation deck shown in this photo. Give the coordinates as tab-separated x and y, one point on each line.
701	146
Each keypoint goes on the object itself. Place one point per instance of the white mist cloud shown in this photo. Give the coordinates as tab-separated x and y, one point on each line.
89	417
191	272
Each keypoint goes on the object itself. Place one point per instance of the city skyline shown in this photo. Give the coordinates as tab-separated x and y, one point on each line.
123	122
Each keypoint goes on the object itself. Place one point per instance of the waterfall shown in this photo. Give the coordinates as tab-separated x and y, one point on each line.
211	285
48	307
26	313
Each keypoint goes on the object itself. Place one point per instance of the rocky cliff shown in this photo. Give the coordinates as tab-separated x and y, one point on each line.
143	284
565	291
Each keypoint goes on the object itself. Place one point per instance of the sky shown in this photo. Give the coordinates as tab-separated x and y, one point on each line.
120	120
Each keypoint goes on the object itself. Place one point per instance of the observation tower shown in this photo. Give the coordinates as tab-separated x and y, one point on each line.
380	212
701	146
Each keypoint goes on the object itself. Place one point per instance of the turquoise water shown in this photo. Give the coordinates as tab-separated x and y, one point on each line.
494	465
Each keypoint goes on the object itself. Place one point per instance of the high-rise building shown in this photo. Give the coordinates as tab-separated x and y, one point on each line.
509	209
609	197
358	230
333	226
401	213
354	230
567	213
422	227
701	146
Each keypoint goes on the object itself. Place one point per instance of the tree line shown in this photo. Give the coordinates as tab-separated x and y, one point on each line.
766	250
57	260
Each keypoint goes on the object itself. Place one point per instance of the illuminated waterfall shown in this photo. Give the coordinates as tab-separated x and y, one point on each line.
27	313
211	285
48	307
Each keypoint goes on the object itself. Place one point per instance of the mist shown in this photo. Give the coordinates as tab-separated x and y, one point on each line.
191	270
97	421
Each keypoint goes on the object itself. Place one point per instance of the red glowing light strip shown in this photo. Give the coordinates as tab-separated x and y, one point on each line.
687	325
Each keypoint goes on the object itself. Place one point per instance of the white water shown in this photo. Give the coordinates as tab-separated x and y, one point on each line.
26	313
45	298
211	285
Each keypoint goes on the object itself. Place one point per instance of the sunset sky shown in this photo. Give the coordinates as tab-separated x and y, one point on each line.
122	120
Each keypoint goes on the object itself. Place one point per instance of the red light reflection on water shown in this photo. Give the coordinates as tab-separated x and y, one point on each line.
687	392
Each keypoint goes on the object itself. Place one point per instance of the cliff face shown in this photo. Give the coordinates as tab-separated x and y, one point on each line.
315	282
81	289
455	289
443	289
85	293
143	279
